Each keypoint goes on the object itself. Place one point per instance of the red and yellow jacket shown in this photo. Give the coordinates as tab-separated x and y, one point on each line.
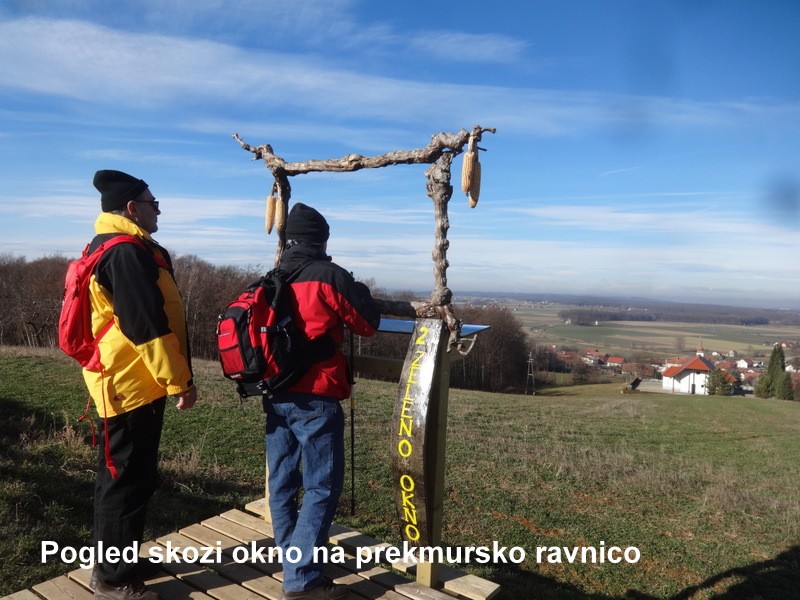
324	298
145	354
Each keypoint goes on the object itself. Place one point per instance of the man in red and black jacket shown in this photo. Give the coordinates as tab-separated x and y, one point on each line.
306	423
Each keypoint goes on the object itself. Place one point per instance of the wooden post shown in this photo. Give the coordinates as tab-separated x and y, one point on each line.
428	572
419	440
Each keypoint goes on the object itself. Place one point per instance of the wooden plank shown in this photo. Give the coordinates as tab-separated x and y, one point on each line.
399	584
359	585
386	577
368	589
22	595
199	576
348	575
352	540
393	581
417	591
238	532
81	576
453	580
61	588
209	537
467	585
258	507
246	574
245	535
249	520
170	588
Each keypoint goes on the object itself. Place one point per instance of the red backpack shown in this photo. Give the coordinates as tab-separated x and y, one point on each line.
75	322
259	346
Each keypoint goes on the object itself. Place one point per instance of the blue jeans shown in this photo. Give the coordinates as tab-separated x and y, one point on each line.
308	428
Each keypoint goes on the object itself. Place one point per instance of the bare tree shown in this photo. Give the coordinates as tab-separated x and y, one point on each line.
499	360
30	299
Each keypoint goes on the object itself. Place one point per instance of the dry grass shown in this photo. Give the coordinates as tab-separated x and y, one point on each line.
705	487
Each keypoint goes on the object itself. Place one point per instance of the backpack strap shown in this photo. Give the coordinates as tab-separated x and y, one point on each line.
96	255
317	350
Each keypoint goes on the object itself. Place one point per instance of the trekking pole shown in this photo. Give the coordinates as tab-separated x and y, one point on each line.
352	429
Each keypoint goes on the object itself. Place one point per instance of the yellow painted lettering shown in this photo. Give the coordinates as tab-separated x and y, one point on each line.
412	533
405	411
408	397
420	354
405	427
404	448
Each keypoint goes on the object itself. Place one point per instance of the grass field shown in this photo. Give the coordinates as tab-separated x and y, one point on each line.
543	325
704	487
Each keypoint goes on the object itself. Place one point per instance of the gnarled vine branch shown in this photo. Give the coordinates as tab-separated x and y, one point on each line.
439	153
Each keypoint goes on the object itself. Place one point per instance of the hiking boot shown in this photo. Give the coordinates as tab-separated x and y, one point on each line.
327	591
129	591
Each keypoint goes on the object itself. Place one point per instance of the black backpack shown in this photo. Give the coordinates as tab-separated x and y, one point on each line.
259	347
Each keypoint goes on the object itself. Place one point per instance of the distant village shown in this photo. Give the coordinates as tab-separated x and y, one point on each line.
683	374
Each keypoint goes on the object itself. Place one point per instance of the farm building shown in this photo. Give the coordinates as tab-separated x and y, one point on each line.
690	377
615	361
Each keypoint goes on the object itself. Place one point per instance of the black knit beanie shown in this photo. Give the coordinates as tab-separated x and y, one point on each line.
117	188
305	224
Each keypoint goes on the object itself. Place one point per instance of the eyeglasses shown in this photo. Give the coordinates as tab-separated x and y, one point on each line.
154	203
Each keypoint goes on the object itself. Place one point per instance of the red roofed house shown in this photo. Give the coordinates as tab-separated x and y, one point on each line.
690	377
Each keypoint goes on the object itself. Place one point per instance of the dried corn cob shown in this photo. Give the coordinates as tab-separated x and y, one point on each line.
474	185
280	216
470	158
269	218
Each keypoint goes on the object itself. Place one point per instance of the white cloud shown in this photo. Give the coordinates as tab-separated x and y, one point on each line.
468	47
164	84
96	64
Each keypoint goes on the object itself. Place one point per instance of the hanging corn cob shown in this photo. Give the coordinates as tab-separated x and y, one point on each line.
466	170
269	218
280	216
474	185
471	173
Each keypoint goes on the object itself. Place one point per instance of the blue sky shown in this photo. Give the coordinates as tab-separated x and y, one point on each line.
642	149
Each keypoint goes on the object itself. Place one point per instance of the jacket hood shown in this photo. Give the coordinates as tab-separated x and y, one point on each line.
112	223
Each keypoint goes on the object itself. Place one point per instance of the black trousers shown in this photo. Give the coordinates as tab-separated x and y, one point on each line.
120	504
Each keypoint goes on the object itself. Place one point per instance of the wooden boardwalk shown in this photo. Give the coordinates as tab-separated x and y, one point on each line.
226	579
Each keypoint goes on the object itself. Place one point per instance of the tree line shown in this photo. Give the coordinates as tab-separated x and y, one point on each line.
31	294
712	315
644	310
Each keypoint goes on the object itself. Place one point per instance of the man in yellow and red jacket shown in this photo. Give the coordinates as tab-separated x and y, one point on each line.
306	423
145	358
